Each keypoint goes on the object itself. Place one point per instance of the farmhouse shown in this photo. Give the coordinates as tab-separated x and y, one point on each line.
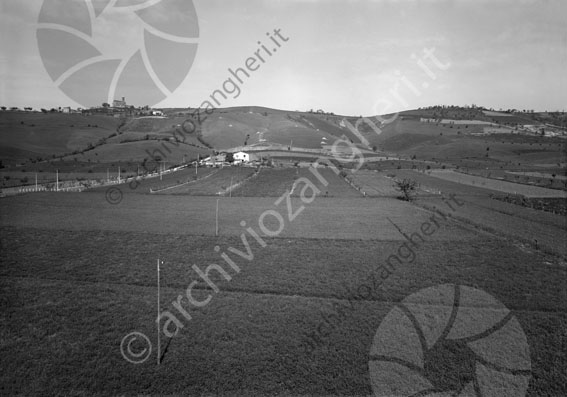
241	157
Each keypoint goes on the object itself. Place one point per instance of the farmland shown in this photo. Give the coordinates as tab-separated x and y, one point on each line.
78	271
218	182
75	251
502	186
373	184
275	182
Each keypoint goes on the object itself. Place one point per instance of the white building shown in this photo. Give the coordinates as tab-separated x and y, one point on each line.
241	157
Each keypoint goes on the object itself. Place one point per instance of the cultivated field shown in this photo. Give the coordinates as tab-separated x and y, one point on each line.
269	183
275	182
79	274
374	184
282	290
497	185
216	184
333	185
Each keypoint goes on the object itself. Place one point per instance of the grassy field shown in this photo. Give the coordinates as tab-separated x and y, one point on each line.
216	184
77	279
336	186
523	224
39	134
269	183
275	182
286	316
374	184
497	185
226	129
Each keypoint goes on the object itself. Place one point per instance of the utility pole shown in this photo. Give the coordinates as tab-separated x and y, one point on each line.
217	220
57	180
162	165
158	314
36	181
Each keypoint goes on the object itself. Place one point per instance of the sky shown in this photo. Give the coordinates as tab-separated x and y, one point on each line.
351	57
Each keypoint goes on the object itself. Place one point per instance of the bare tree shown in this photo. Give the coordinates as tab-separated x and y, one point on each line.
407	187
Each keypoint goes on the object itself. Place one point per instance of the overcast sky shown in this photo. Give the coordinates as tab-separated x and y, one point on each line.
348	57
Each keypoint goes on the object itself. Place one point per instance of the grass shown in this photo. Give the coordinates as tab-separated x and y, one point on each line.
216	184
231	128
336	184
77	274
249	338
275	182
512	221
269	183
52	133
374	184
497	185
162	214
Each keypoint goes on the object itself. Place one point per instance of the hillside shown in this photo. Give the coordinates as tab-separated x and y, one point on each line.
458	137
224	130
25	135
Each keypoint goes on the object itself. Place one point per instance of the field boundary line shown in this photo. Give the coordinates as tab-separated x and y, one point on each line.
544	248
322	297
238	184
184	183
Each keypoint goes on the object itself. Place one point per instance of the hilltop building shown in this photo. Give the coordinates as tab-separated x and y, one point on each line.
119	104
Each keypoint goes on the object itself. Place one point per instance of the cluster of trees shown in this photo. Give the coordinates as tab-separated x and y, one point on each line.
320	111
473	106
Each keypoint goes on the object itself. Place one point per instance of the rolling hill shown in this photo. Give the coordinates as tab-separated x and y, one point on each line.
453	135
25	135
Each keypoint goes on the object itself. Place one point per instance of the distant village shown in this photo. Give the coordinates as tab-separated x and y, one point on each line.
118	109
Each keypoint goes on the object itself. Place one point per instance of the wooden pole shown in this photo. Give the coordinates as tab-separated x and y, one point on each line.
158	314
217	220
